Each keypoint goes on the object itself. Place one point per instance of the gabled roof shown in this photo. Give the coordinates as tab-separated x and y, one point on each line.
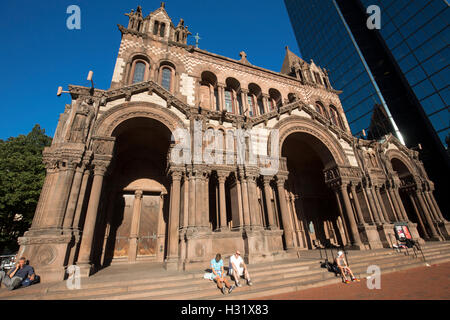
289	60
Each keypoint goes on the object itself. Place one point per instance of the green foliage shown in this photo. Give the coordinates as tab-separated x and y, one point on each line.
22	175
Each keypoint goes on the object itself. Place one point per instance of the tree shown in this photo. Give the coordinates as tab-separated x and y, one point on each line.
22	175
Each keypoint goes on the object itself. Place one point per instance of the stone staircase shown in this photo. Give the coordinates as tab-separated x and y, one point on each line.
142	281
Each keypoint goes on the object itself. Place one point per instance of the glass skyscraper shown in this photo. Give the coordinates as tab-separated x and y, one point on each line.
416	33
394	79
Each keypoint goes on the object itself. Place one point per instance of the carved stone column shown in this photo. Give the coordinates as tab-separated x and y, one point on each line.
370	206
134	229
245	201
287	227
432	210
81	197
222	204
220	91
265	102
60	196
74	192
174	220
341	214
438	210
192	204
199	203
383	208
267	196
419	217
46	192
376	201
245	106
205	199
255	212
427	214
396	206
239	199
396	195
357	205
355	238
84	257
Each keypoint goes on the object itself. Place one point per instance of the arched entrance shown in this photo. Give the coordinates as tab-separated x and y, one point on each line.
136	200
316	213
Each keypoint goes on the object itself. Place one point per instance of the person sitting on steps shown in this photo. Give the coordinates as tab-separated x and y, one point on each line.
219	274
237	268
344	268
21	272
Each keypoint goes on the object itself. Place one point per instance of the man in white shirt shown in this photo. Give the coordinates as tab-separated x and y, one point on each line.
238	268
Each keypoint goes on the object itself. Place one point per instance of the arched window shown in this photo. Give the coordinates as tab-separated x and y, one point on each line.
155	28
271	104
162	29
335	118
257	103
275	96
209	93
233	99
260	106
228	100
216	99
319	108
166	78
251	105
292	97
139	72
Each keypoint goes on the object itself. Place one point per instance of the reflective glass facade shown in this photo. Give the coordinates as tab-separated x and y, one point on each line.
415	32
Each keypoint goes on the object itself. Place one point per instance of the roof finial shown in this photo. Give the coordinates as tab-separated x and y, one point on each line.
196	37
243	57
163	4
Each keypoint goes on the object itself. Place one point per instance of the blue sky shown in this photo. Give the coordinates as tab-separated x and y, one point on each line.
39	53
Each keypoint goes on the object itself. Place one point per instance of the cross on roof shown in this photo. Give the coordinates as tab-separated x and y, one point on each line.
196	37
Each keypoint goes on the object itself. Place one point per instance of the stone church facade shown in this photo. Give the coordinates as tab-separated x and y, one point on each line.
113	193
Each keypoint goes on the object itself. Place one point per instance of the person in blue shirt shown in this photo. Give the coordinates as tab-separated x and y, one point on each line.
219	274
21	272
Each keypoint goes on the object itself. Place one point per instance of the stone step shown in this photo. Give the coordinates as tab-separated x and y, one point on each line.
280	278
299	269
313	283
180	284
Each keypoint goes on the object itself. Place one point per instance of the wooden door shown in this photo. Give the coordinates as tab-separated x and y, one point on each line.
148	225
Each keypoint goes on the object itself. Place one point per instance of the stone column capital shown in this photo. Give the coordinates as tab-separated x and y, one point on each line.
138	194
267	179
100	167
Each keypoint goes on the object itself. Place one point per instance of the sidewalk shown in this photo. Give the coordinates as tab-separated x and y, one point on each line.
419	283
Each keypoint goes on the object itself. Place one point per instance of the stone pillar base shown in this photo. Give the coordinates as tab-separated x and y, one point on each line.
172	264
444	228
46	252
387	234
86	269
414	233
369	236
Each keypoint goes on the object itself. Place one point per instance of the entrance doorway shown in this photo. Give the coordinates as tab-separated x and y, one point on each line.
315	205
136	209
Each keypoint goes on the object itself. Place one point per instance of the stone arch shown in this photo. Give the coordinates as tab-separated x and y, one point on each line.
120	113
296	123
396	154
